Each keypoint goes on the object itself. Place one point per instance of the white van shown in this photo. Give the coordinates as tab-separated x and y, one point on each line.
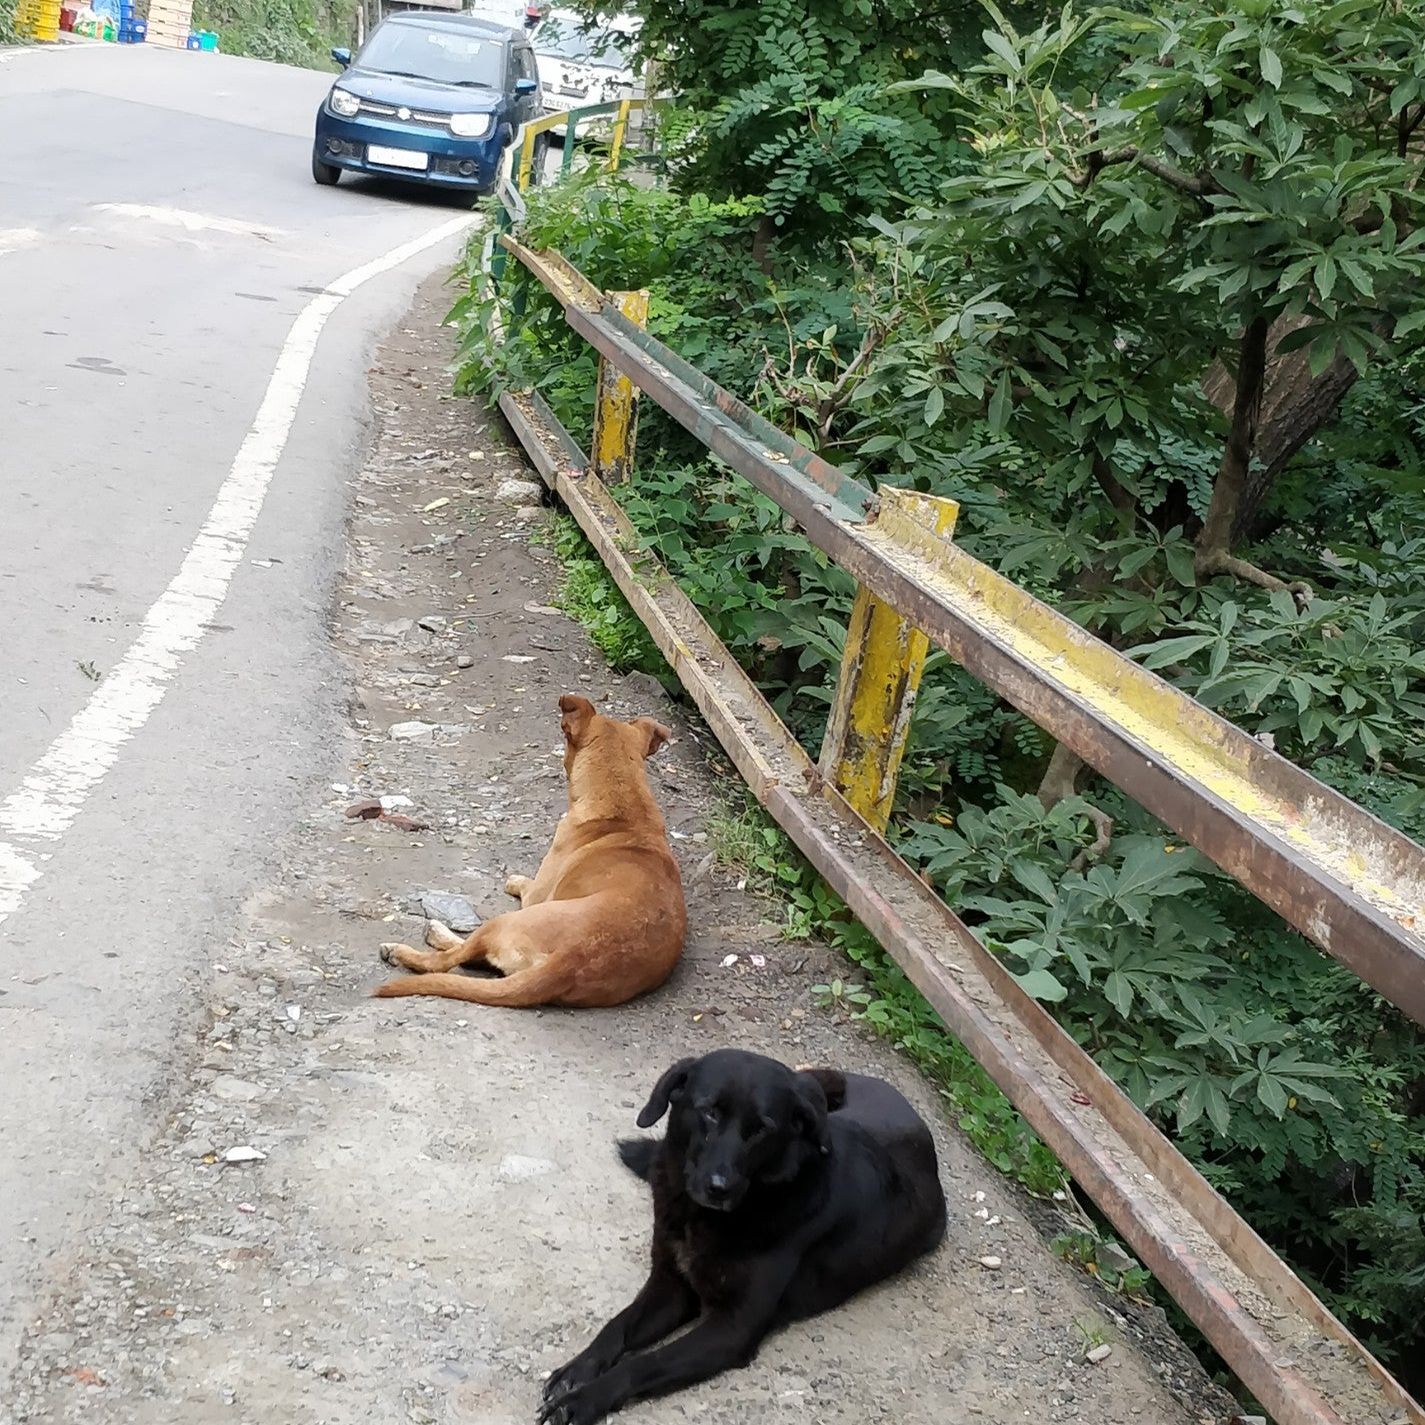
579	66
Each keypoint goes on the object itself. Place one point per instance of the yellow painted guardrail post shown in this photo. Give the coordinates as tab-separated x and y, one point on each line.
880	674
620	130
616	404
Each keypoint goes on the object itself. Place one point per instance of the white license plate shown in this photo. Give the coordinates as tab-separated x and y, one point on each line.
397	157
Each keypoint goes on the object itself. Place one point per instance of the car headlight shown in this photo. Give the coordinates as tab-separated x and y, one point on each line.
343	102
471	126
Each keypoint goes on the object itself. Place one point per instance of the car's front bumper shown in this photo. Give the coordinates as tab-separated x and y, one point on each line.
453	162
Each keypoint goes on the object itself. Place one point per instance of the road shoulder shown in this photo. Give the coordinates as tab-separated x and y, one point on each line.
427	1213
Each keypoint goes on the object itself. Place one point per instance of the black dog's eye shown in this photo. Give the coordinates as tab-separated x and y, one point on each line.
709	1117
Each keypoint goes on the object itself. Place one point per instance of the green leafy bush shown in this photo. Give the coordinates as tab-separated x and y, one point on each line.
1045	339
299	32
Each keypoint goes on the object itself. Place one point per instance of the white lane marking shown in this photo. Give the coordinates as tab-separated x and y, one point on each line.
189	222
13	238
48	801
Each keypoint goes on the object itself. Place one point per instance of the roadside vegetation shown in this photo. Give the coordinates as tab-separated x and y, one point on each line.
300	32
1140	289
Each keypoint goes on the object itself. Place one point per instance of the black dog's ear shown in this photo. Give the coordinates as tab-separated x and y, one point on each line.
809	1116
833	1085
667	1088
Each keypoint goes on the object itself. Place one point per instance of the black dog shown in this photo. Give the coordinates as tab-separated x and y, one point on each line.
776	1195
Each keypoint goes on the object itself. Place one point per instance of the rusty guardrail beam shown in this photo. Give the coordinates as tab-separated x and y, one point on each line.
1295	1357
1340	876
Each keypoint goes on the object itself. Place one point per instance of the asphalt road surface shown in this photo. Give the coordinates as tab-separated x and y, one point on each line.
180	405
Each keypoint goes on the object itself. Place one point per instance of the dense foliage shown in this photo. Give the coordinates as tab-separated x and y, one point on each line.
1141	294
299	32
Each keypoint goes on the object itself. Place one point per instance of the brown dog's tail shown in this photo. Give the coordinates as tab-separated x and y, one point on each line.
542	984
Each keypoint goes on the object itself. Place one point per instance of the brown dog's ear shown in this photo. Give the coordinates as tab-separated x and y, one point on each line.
656	733
666	1089
577	714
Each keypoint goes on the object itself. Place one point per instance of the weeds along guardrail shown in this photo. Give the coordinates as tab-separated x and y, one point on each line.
1344	879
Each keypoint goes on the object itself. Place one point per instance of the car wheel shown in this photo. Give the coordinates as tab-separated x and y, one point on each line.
326	174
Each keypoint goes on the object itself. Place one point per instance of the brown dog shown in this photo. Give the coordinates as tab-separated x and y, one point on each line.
603	919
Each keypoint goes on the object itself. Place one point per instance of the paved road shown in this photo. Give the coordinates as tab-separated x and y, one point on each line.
159	235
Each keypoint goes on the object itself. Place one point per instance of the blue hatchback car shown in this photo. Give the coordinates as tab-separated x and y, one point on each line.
431	98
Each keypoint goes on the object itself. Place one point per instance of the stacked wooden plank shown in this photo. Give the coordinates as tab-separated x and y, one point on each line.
170	22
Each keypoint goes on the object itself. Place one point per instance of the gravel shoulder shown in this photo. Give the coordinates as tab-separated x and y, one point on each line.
428	1213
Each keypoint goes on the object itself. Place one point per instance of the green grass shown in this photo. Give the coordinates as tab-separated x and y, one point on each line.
588	594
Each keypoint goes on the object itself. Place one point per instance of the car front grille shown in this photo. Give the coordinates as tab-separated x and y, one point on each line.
417	116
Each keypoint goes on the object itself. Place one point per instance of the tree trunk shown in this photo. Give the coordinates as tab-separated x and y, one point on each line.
1295	406
1214	542
1059	781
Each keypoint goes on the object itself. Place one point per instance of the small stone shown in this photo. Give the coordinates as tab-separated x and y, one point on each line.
519	492
454	911
410	731
464	660
199	1148
432	623
517	1169
364	810
397	627
395	803
642	685
244	1153
991	1264
235	1090
1099	1354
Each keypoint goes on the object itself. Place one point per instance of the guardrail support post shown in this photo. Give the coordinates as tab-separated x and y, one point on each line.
620	130
616	405
880	675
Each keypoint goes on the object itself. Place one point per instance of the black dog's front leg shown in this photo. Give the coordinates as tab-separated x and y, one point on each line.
665	1303
716	1344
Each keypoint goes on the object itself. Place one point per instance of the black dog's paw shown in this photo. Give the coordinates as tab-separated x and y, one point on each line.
571	1376
578	1406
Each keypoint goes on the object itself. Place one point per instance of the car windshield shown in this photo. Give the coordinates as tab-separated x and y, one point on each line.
431	52
563	39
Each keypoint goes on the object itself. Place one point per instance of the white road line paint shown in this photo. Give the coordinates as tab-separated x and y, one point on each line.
189	222
13	238
51	797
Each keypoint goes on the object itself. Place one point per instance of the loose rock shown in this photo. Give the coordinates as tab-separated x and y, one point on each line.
244	1154
519	492
410	731
455	911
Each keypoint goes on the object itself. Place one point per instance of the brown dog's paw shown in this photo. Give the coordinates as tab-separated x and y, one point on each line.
440	936
516	886
391	952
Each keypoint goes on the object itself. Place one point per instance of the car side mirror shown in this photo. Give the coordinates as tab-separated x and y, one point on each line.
342	57
525	86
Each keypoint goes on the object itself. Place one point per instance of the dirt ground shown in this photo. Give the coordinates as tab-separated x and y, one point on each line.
436	1217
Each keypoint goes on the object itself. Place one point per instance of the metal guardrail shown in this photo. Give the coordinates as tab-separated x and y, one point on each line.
1349	882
